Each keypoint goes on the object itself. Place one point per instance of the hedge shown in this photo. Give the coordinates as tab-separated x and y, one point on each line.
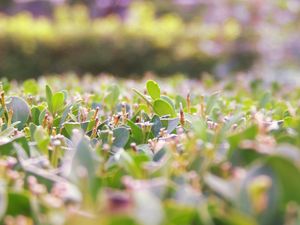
71	41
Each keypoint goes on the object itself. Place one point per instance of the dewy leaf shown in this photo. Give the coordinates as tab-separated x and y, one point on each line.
163	108
58	100
21	111
121	135
153	89
49	98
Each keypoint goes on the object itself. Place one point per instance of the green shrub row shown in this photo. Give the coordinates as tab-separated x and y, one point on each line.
71	41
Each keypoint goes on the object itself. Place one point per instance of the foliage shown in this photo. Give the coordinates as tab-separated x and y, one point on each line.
96	150
142	42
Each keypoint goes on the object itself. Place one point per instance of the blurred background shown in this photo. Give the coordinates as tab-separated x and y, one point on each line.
130	38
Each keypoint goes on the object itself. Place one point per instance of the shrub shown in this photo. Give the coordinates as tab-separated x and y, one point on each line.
71	41
102	151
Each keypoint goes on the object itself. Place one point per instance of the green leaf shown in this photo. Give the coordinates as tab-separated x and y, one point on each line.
163	108
8	149
18	204
169	100
70	126
170	124
65	114
126	161
281	177
35	114
42	139
136	131
287	175
83	157
31	87
236	218
157	125
211	103
121	135
32	128
145	149
179	214
21	111
49	98
7	132
58	100
254	183
42	116
143	97
159	155
88	126
153	89
56	121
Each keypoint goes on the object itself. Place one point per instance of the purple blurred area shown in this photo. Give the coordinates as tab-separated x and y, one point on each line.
98	8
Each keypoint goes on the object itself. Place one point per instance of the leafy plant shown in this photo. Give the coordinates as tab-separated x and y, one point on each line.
86	155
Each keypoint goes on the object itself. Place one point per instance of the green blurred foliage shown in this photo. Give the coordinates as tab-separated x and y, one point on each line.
143	42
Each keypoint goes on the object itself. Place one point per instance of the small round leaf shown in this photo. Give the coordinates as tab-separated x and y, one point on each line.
121	135
21	111
163	108
153	89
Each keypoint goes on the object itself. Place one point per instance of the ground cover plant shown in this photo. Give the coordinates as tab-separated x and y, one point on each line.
175	151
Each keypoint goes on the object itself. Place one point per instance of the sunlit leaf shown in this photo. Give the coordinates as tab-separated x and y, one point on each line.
153	89
163	108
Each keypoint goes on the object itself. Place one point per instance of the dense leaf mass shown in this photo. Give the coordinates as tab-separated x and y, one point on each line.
175	152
